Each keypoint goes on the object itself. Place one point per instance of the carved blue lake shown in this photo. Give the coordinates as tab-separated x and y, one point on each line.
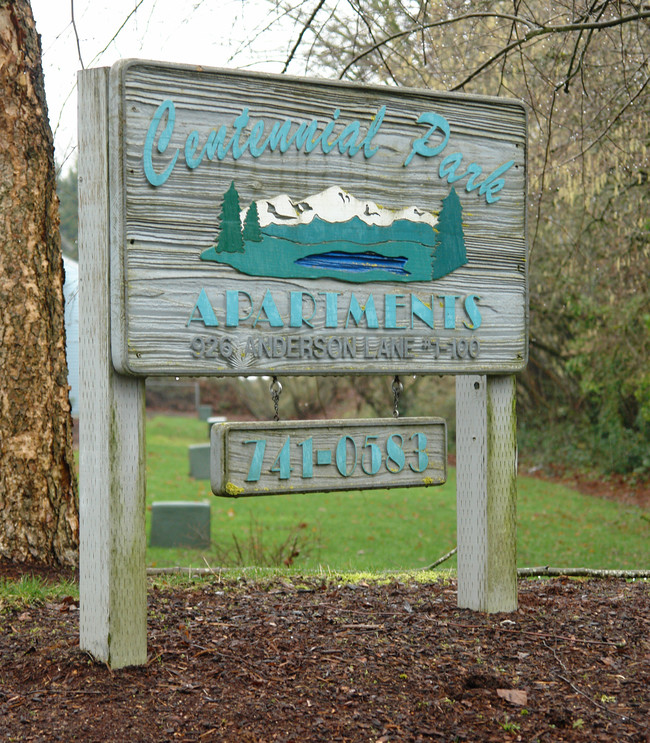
349	251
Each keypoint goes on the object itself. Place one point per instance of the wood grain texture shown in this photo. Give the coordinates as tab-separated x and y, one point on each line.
321	456
159	233
112	578
486	485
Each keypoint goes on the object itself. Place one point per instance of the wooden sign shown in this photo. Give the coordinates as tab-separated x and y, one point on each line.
268	225
319	456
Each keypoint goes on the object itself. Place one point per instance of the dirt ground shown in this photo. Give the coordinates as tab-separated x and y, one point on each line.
312	660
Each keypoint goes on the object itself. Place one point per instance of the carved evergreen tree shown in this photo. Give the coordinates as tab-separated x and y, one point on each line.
230	234
39	521
449	251
252	230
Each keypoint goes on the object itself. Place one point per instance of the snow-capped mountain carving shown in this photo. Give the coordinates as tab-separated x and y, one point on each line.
333	205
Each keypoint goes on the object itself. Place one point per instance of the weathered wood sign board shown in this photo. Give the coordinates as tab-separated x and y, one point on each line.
269	225
321	456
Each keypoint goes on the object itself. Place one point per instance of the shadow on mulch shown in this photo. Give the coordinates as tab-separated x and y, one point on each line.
47	573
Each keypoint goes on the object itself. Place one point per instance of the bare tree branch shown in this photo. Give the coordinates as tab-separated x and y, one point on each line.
76	34
364	19
536	30
570	74
425	26
545	31
116	34
547	155
310	20
605	131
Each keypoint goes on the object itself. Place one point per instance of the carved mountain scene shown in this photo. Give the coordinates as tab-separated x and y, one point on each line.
334	234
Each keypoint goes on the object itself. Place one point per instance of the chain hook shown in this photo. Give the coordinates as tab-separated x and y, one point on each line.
276	390
397	391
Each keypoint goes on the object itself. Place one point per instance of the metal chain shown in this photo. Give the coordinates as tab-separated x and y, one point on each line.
397	391
276	390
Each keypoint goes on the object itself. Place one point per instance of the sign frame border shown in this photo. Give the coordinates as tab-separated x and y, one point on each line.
118	253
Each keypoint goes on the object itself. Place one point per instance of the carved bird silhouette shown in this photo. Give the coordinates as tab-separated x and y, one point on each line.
276	213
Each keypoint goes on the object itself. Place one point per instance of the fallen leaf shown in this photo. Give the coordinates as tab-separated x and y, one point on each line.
514	696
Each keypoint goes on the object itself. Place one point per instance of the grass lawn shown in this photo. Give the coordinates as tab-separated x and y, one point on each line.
380	530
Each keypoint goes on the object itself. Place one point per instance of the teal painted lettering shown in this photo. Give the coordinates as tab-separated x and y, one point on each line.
420	146
215	140
342	456
255	469
375	456
421	451
356	312
422	311
296	315
368	149
331	309
307	457
449	166
395	453
323	457
327	133
282	464
390	311
306	135
239	123
493	184
450	310
347	138
472	312
473	170
270	310
278	136
206	313
191	143
232	307
256	133
157	179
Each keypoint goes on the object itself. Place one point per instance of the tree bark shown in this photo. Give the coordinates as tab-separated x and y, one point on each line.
38	502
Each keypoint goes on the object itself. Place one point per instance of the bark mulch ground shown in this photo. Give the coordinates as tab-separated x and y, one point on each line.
312	660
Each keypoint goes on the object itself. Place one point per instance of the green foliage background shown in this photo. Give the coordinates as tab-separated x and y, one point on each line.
582	69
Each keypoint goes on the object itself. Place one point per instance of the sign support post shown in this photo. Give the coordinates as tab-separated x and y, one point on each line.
112	572
486	488
244	224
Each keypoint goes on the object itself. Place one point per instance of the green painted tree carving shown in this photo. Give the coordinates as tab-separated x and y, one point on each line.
252	230
449	251
230	234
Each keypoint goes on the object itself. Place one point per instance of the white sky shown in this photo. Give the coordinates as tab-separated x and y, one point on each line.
212	33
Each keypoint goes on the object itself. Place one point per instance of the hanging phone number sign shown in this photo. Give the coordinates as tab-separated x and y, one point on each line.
320	456
268	225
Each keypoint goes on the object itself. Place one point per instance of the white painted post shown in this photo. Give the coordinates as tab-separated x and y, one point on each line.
112	575
486	492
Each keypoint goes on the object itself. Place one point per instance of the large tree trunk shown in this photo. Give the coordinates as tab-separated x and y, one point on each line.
38	506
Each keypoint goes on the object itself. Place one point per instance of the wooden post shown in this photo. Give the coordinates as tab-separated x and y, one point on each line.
486	482
112	575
